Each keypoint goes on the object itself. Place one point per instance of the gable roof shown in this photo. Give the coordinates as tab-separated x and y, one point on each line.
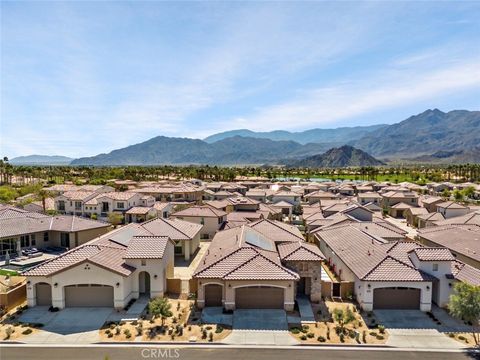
200	211
146	247
300	251
175	229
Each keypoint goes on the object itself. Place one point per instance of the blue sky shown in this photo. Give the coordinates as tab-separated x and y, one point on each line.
81	78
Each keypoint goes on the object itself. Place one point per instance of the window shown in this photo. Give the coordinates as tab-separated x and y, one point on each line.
144	262
65	240
78	205
33	240
45	236
202	221
120	205
435	267
25	241
61	205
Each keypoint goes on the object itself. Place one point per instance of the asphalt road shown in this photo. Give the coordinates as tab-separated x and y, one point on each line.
114	352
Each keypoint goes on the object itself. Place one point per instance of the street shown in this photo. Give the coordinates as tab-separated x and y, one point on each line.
133	352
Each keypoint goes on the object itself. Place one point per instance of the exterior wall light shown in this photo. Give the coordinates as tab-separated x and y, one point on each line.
369	286
428	287
55	285
117	284
155	276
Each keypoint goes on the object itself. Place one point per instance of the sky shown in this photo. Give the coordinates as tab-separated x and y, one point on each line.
83	78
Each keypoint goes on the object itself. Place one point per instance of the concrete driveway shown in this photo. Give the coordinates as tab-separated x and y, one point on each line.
260	319
414	329
260	327
71	325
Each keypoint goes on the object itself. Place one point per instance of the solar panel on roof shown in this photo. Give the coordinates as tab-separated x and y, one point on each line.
256	239
124	236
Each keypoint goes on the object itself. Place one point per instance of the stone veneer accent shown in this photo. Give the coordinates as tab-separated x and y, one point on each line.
312	270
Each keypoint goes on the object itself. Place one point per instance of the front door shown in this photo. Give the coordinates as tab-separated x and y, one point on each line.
65	240
301	286
336	290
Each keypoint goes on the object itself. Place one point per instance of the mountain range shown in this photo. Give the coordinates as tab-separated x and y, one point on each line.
337	157
340	135
41	160
431	136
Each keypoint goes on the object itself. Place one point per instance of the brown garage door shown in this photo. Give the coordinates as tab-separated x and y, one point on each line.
89	295
213	295
396	298
259	298
44	294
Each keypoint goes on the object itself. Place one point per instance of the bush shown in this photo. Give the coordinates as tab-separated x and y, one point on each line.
342	337
321	339
219	329
117	330
451	335
461	337
27	331
381	328
204	334
364	336
210	336
139	330
328	333
110	335
380	337
310	335
107	331
295	330
208	327
373	333
303	337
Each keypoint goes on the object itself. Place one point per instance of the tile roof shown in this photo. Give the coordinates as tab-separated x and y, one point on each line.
462	239
200	211
433	254
300	251
277	230
139	210
465	273
118	195
451	205
175	229
110	258
369	257
146	247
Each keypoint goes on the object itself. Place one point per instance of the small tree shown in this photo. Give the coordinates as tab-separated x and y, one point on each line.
343	317
160	307
465	304
115	218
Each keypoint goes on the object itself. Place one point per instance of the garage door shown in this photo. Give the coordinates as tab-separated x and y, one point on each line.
396	298
213	295
44	294
259	298
89	295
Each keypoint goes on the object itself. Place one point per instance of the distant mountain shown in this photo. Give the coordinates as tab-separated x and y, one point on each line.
451	157
337	157
427	133
236	150
423	134
339	135
41	160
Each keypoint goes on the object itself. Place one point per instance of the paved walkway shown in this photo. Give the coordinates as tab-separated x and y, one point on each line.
184	269
260	337
305	309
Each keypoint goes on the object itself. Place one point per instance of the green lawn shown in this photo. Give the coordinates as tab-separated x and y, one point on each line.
9	272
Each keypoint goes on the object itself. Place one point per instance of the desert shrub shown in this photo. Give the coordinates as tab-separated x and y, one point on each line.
110	335
321	339
27	331
117	330
373	333
210	336
219	329
461	337
452	335
380	337
364	336
295	330
204	334
381	328
342	338
107	331
303	337
310	335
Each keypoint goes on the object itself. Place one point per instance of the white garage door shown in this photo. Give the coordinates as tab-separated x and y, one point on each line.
89	295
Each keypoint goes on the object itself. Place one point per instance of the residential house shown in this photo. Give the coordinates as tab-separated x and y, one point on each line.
450	209
210	218
107	272
260	266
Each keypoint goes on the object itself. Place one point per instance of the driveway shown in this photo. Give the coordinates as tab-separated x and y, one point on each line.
260	327
70	325
414	329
